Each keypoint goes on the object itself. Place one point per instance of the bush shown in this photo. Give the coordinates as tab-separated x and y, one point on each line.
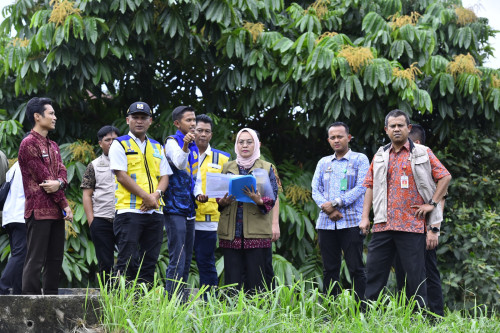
470	252
470	258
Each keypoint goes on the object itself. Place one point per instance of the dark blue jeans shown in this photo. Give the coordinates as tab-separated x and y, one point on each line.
139	238
180	233
12	275
101	232
204	253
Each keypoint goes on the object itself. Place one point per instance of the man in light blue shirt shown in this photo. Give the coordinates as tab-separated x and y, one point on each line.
337	188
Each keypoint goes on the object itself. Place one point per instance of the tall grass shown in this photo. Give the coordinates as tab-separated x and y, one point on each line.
292	308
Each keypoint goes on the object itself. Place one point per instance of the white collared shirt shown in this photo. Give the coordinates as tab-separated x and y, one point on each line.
13	210
203	225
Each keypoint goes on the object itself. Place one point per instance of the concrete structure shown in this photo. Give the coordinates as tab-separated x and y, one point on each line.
66	312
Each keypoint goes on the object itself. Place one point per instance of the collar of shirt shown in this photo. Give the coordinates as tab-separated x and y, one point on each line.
207	152
347	156
39	137
142	145
406	146
105	158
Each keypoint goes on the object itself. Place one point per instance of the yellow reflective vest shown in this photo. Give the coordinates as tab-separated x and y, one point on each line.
144	169
208	211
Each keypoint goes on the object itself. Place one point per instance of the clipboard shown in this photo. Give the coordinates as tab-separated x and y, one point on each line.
237	184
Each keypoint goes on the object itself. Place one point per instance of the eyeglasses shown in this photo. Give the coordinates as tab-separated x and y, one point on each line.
200	131
248	142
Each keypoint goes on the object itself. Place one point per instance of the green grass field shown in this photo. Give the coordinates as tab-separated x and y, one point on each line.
295	308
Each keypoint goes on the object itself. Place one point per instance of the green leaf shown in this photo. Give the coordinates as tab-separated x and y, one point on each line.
77	272
348	87
70	172
66	270
78	215
397	49
59	35
283	45
358	87
390	7
230	46
25	69
407	32
91	29
409	50
80	170
373	22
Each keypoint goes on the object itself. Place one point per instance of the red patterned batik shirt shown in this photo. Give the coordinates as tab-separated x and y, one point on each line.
400	215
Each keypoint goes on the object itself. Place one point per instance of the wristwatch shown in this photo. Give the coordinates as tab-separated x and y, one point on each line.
435	230
61	184
434	203
161	192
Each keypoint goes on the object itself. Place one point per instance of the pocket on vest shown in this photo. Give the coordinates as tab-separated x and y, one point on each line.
182	201
223	226
134	163
258	223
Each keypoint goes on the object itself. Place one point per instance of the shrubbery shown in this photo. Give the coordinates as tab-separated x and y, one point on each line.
469	254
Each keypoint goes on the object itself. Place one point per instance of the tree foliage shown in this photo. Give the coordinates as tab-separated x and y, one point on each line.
284	68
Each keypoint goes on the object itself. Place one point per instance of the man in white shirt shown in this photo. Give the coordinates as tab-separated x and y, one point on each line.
13	222
207	214
141	172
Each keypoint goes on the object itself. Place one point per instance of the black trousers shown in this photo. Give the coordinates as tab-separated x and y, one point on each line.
381	251
434	290
332	243
45	250
269	275
139	238
101	232
12	275
246	268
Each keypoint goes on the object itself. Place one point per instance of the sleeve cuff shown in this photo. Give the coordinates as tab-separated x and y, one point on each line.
63	203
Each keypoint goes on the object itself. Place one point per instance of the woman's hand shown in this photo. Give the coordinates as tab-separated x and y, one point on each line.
226	200
254	195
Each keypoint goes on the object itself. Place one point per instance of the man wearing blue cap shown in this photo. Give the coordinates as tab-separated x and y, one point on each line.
141	175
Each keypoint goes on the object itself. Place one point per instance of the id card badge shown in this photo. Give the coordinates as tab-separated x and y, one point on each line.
404	182
343	184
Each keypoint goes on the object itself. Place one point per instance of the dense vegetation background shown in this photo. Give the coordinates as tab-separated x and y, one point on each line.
286	69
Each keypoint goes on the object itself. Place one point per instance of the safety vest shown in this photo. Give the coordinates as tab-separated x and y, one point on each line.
179	198
208	211
144	169
103	197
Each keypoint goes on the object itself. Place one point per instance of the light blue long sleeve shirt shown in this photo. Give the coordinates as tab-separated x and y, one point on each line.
326	186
